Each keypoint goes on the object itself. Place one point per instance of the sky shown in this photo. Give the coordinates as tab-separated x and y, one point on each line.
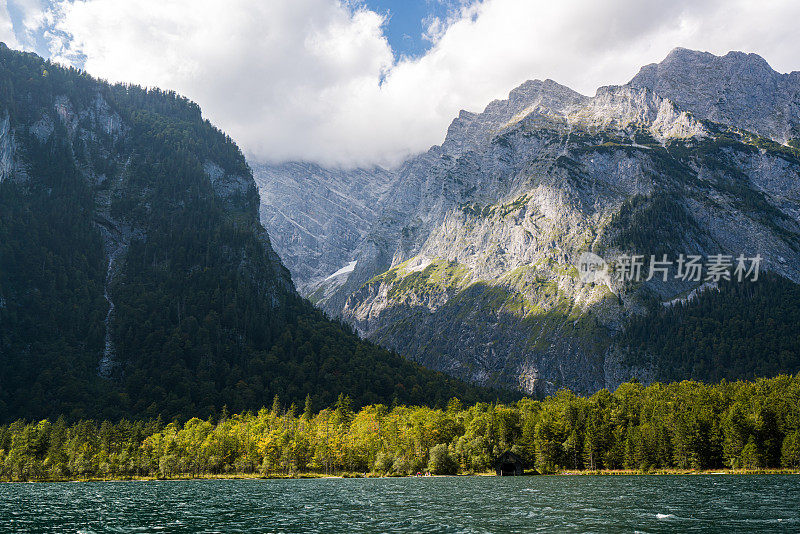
371	82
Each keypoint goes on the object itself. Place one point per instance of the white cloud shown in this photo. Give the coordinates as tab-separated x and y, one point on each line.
20	21
316	79
7	35
32	13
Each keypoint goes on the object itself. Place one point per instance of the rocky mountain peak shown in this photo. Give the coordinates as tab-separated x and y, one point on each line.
547	96
684	59
739	89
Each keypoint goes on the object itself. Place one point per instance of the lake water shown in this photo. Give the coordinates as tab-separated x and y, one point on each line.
449	504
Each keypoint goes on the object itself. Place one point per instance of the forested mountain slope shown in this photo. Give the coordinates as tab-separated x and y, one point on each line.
135	277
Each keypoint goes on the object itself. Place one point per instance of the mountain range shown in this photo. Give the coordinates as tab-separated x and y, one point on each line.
464	258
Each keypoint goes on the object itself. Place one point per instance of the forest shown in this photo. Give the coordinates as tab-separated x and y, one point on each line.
734	331
744	425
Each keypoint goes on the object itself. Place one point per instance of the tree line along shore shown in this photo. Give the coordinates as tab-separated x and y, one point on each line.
683	427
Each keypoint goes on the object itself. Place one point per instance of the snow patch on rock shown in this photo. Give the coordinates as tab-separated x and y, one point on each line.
418	265
347	269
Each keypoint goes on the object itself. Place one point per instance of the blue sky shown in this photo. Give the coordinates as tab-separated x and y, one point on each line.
365	82
33	40
408	20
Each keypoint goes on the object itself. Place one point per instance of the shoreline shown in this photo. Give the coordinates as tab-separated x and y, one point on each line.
312	476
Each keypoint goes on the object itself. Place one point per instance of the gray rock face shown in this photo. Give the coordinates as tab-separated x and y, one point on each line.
227	186
472	129
316	216
737	89
466	262
7	150
43	128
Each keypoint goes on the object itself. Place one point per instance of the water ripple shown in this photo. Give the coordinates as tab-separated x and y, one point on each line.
439	505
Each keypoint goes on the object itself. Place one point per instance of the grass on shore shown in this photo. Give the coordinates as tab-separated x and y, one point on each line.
298	476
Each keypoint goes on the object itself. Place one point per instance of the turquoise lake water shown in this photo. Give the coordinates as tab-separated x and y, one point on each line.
713	503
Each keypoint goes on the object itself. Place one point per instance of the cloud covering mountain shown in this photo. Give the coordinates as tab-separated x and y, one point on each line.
317	80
